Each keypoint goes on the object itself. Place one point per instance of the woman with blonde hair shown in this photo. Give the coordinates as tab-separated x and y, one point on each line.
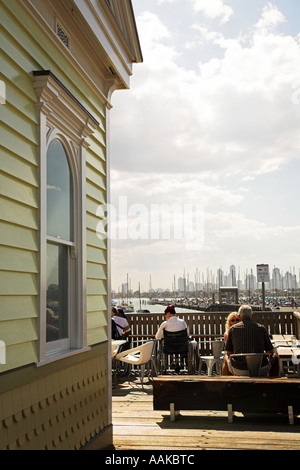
232	319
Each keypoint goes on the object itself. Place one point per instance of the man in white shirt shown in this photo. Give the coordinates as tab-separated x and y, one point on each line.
172	323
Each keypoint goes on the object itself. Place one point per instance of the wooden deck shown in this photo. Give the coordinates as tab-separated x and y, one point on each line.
137	427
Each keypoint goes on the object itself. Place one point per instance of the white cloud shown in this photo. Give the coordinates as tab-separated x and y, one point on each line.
196	134
172	189
234	115
271	17
166	1
213	9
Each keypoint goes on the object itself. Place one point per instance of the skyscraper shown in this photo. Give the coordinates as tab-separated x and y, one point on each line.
232	275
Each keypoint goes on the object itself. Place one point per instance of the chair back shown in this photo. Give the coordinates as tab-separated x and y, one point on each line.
254	364
175	342
145	352
253	361
217	348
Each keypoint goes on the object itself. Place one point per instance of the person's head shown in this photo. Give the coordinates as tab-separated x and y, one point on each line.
245	312
232	319
120	313
114	311
169	311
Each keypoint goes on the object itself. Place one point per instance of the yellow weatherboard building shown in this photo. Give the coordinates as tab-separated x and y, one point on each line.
60	63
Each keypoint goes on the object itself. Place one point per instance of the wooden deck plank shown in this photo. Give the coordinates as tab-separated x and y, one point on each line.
136	426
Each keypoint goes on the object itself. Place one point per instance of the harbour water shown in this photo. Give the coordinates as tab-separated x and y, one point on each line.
143	304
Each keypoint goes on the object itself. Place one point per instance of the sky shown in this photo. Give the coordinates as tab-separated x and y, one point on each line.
205	146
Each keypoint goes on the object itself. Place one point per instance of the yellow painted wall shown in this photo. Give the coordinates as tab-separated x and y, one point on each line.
63	408
25	49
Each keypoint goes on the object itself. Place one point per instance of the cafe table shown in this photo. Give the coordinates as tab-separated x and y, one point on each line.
288	352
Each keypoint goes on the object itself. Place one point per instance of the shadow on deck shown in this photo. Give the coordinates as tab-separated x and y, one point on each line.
136	426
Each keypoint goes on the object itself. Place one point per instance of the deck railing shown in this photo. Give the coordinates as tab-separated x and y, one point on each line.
204	327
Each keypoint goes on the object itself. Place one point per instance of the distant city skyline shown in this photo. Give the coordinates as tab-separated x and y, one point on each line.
201	280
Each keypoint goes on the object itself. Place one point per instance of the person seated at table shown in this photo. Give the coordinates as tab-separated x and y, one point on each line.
232	318
171	323
121	323
247	336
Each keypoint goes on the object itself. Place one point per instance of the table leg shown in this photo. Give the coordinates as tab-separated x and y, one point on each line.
291	415
173	413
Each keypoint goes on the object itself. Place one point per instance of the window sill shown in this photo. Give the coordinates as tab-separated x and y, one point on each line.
57	355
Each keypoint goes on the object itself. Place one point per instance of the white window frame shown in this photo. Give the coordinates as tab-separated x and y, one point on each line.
62	117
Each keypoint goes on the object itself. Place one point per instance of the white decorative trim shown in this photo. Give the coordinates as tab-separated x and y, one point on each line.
62	117
62	109
92	48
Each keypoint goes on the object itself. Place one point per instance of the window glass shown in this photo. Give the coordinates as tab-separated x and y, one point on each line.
59	193
57	292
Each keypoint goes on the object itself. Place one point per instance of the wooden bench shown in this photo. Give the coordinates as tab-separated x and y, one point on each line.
231	393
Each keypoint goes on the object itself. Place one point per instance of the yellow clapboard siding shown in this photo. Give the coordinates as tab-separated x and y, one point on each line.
95	255
101	113
95	178
17	167
92	206
13	49
18	100
101	239
98	335
94	161
46	56
15	259
95	287
95	192
21	80
19	237
26	48
18	191
96	302
96	149
14	119
19	355
18	306
96	271
93	221
26	331
96	319
95	239
16	144
13	283
97	141
18	214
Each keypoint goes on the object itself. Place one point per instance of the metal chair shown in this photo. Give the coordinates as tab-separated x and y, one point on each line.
175	344
217	358
253	361
138	356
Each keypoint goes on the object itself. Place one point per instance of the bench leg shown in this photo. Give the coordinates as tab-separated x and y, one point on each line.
230	413
173	413
291	415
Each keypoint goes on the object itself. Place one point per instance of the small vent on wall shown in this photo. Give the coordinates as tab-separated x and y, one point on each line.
62	35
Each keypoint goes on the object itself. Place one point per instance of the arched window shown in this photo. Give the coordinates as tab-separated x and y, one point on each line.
64	126
59	242
59	193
